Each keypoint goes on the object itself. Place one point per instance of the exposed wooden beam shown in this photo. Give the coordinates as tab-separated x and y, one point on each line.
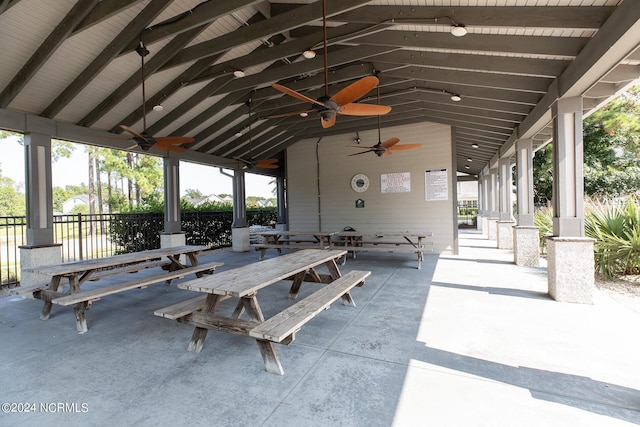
552	46
524	17
277	24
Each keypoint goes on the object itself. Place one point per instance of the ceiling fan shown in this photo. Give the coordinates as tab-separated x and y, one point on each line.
387	147
251	163
143	139
343	101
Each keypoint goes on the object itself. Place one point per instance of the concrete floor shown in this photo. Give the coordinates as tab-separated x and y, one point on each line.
469	340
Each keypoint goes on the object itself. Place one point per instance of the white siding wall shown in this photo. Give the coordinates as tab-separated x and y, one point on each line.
333	207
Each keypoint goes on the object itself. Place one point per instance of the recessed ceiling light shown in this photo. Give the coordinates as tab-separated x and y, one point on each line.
469	160
475	145
309	54
158	107
304	114
238	134
239	73
467	167
456	98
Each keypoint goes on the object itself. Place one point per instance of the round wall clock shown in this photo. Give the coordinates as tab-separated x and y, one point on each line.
360	182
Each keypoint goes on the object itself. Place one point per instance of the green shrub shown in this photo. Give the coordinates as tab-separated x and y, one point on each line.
616	229
543	219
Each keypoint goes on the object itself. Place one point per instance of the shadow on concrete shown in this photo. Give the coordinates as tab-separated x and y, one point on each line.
510	292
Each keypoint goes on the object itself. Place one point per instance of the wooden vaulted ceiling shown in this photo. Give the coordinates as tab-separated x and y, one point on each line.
74	62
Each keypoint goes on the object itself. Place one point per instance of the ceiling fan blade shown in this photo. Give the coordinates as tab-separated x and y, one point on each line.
294	113
362	152
266	165
131	131
405	147
295	94
387	153
174	140
355	90
328	123
169	147
364	110
390	142
267	161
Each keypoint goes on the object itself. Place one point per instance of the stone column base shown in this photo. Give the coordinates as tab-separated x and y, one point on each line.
526	246
240	239
35	256
570	269
169	240
492	229
505	234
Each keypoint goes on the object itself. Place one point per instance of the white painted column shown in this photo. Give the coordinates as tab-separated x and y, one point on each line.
40	248
172	234
505	222
570	254
240	238
492	199
526	236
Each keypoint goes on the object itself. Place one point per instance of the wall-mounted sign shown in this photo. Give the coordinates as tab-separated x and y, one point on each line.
436	184
359	203
395	182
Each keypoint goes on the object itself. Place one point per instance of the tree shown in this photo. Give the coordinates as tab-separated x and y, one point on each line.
611	141
12	202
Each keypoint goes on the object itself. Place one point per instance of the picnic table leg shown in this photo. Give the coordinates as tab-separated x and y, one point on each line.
270	357
199	334
46	309
78	309
295	286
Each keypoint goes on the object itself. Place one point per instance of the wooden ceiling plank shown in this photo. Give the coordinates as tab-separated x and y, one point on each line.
130	32
46	49
134	81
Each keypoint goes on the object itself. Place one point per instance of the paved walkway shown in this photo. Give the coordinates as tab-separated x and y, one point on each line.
469	340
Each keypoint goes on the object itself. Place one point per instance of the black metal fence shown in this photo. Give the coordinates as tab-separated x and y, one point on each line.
467	213
94	236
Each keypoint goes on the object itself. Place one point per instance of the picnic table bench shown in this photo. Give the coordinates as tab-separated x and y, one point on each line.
244	283
79	272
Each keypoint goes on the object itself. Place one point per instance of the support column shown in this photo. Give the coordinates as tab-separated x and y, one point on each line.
485	203
570	254
492	199
480	203
281	221
505	223
239	229
172	234
40	248
526	236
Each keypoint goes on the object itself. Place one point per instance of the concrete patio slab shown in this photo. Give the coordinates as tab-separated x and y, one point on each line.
468	340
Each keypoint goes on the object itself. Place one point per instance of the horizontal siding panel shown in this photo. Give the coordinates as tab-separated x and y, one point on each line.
334	206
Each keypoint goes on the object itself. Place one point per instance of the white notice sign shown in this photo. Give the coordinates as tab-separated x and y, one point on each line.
395	182
436	184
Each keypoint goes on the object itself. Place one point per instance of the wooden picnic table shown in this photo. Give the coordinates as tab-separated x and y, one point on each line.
279	239
246	281
354	241
79	272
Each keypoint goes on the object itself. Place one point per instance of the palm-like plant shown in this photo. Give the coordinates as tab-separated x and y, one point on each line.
616	229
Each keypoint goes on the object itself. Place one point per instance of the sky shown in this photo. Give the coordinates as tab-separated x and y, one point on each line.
73	171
